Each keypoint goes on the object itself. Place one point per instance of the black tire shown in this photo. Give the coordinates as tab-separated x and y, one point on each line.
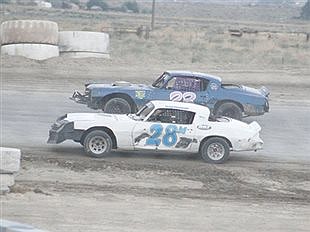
97	143
215	150
229	109
117	106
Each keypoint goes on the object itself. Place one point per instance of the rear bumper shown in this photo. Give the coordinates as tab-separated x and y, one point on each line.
254	110
62	131
252	144
266	107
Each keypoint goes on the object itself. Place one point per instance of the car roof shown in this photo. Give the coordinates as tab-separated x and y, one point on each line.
181	106
193	74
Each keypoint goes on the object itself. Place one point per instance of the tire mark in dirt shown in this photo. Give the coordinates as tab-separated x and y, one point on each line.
225	181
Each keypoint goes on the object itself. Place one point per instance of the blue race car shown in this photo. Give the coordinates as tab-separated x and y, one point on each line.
235	101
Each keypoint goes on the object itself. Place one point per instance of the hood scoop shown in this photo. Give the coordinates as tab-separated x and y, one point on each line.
121	83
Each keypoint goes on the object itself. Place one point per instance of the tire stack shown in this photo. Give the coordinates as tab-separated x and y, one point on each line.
34	39
82	44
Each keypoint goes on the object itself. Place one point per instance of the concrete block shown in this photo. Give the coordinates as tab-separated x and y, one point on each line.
9	160
31	51
84	41
3	191
7	180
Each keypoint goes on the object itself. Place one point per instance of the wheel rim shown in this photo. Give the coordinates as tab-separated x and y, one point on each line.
216	151
98	145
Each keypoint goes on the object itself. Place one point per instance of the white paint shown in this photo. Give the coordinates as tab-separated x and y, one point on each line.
178	96
189	97
31	51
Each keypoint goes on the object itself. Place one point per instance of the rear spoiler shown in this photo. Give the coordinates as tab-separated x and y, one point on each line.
263	90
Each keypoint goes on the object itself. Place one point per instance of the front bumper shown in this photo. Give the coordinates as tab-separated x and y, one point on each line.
79	98
63	130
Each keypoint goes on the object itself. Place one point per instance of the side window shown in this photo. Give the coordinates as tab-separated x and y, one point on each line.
172	116
171	83
204	84
187	84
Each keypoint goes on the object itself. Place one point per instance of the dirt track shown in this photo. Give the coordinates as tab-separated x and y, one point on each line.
60	189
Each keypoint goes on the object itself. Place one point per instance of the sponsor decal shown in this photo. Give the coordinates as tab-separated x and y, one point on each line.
183	142
140	94
214	86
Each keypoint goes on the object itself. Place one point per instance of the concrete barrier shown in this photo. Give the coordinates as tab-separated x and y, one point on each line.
29	31
85	55
9	165
84	41
10	226
32	51
9	160
7	180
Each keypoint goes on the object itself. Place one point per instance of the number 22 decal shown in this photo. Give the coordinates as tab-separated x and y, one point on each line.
169	139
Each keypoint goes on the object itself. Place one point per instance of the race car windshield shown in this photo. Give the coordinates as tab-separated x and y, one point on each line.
145	110
161	81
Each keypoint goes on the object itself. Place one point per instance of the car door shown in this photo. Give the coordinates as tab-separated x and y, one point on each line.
184	89
165	129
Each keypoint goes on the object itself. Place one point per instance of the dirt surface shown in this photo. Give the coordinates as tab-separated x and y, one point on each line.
61	189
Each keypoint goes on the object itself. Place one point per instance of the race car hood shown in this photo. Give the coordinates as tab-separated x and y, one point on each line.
73	117
119	85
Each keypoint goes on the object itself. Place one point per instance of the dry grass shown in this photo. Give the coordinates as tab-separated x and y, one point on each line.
192	40
203	47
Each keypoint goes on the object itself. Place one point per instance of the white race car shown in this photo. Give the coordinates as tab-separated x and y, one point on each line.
159	125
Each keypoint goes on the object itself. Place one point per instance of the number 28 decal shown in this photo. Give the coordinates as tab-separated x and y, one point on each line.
169	138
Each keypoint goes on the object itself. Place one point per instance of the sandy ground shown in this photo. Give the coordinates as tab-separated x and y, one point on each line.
60	189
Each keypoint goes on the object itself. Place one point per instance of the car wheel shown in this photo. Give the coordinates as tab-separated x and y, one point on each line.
215	150
117	106
97	143
229	109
